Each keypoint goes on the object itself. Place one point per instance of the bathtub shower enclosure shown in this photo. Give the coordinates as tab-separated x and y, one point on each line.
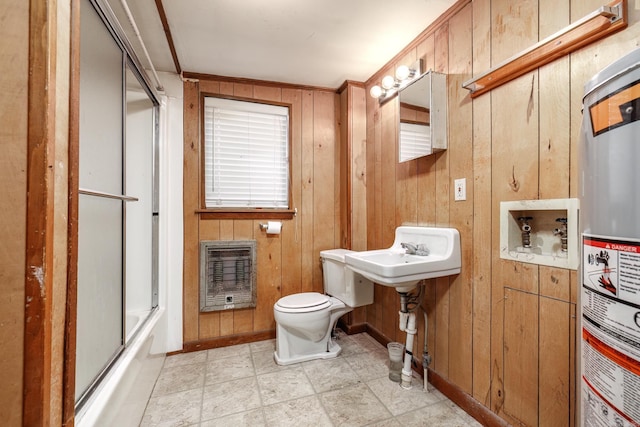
117	282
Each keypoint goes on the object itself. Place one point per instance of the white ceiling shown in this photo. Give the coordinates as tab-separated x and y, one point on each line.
306	42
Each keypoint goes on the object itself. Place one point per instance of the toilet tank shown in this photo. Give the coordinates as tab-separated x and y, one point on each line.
341	282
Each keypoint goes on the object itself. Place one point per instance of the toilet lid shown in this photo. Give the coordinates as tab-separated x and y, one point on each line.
305	300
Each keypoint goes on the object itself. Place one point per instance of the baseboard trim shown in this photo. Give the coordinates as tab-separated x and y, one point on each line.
352	329
377	335
225	341
471	406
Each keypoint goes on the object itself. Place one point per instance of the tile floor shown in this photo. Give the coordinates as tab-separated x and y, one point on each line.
242	386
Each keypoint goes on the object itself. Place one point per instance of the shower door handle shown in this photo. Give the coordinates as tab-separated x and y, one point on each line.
107	195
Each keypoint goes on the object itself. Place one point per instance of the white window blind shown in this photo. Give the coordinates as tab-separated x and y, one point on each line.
416	141
246	160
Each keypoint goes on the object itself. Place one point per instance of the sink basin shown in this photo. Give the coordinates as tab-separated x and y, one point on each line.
394	267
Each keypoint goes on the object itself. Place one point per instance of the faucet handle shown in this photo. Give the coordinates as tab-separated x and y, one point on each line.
422	249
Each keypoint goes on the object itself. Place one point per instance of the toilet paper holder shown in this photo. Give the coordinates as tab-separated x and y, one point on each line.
271	227
274	227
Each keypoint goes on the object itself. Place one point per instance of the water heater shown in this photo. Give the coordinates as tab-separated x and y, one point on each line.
609	305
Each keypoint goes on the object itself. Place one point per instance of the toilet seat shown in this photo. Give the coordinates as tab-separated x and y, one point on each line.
304	302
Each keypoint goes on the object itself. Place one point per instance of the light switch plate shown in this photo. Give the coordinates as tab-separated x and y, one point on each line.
460	189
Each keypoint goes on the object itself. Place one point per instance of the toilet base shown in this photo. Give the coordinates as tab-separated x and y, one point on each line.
334	351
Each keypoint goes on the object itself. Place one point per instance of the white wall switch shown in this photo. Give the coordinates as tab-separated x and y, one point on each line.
460	189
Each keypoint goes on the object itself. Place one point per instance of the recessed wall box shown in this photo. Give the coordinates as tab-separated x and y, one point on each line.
543	232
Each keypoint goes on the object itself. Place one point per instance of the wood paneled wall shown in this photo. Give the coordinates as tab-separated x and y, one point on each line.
501	331
289	262
13	164
34	126
353	181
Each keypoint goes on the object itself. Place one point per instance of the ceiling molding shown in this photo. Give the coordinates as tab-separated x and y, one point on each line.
200	76
167	33
347	83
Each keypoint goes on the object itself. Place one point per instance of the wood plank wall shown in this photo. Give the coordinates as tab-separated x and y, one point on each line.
34	81
353	190
501	331
289	262
13	164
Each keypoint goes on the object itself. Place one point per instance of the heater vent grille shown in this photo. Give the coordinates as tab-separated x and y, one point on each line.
227	274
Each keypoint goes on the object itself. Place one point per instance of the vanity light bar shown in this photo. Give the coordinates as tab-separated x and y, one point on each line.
390	86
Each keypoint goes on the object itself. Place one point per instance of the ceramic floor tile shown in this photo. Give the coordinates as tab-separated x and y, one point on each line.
391	422
254	418
222	352
306	411
203	389
365	341
179	378
284	385
349	346
185	359
263	362
229	368
330	374
231	397
436	394
176	409
353	406
472	422
263	345
438	414
369	365
399	400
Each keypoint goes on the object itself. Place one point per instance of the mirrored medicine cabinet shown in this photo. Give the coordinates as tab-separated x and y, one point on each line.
423	117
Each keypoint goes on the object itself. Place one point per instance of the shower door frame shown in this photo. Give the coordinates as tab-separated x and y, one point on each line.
130	60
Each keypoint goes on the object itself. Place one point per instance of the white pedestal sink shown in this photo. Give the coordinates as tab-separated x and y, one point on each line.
396	268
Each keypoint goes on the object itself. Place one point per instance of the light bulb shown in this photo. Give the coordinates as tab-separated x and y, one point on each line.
375	91
402	72
388	82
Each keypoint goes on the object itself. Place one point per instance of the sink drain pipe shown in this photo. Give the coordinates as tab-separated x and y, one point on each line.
409	303
408	325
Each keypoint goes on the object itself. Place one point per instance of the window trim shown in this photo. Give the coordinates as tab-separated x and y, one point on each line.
242	213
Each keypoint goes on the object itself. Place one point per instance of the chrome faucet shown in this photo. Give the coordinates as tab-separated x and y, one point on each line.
413	249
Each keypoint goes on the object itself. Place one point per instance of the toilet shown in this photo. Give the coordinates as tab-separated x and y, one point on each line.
304	321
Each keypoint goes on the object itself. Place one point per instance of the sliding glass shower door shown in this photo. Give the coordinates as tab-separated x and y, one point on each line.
141	216
101	206
118	198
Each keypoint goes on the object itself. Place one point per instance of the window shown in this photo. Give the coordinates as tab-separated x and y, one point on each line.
246	154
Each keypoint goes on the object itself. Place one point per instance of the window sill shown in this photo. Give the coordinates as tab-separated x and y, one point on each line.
230	213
